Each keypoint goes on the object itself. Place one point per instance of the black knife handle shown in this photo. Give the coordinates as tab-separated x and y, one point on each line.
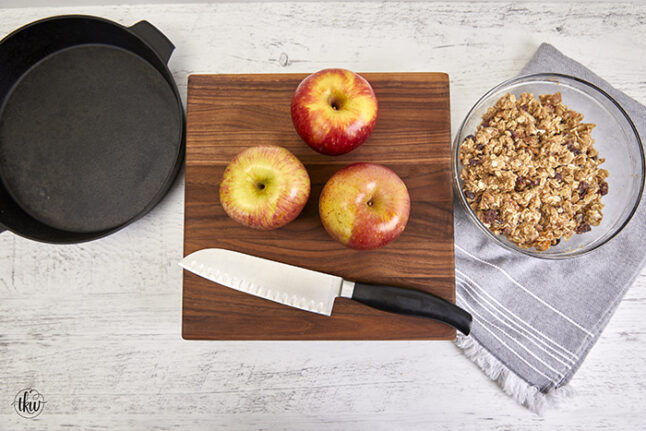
413	302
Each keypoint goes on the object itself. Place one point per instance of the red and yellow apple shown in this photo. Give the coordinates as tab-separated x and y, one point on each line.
264	187
364	206
334	111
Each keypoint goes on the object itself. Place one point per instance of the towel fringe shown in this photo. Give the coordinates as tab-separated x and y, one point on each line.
525	394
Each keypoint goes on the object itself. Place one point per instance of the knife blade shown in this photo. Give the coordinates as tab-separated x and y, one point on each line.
316	291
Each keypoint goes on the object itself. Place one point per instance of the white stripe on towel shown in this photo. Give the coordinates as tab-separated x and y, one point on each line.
512	350
501	330
534	342
526	290
499	308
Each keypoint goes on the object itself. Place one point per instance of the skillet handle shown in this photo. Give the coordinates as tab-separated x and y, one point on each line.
155	38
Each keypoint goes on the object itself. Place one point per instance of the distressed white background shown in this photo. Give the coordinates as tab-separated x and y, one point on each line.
96	327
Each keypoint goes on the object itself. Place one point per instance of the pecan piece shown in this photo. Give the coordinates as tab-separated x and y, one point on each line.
583	228
522	183
603	188
491	216
513	134
571	147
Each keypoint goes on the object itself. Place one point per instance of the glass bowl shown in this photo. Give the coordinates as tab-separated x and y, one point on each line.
615	138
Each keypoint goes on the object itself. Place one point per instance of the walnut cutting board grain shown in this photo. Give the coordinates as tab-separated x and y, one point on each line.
227	113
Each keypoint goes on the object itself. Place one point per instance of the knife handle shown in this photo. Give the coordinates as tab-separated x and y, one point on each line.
412	302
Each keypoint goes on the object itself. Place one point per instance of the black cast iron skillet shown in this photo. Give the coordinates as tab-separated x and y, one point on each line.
91	127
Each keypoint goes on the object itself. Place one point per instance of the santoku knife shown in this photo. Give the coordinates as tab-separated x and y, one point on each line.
316	291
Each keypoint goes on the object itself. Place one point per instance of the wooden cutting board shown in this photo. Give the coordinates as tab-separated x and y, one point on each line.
227	113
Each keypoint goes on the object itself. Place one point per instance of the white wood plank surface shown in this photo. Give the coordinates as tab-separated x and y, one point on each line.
96	327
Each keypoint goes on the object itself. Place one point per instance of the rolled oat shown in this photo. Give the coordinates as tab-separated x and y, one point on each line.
531	172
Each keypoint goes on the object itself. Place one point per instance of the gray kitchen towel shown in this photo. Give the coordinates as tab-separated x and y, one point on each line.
536	320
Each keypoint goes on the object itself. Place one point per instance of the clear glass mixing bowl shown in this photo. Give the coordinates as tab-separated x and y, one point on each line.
615	138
